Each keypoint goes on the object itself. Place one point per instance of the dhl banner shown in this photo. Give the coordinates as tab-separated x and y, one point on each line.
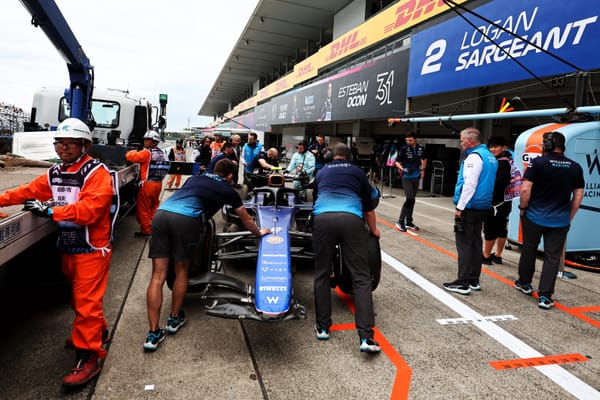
398	18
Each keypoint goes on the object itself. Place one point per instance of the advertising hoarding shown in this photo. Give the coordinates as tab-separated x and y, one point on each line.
454	55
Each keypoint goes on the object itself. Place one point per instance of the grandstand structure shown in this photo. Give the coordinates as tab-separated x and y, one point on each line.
11	118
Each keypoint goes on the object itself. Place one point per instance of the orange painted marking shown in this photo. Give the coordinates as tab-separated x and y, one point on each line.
589	309
401	385
575	312
538	361
418	238
498	277
403	371
342	327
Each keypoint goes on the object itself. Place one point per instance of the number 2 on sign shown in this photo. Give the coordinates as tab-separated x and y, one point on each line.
435	51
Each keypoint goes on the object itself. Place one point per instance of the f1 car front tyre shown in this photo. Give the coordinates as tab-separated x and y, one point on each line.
342	277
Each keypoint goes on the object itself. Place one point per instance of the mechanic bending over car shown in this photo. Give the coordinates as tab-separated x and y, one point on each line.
262	165
343	205
266	161
176	228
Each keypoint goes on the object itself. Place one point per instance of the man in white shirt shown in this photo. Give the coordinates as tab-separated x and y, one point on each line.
473	199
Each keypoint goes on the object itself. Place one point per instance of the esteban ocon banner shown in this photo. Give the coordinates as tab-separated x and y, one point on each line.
453	55
374	89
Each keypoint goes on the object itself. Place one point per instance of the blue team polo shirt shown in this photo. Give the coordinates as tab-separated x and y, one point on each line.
554	178
202	194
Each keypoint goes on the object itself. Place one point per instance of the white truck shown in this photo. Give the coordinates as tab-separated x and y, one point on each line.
119	119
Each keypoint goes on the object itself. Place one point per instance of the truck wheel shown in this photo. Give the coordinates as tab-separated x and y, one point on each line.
342	275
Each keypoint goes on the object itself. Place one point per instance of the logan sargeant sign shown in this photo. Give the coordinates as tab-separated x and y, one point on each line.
454	55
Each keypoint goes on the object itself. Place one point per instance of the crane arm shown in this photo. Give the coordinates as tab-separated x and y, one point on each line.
46	15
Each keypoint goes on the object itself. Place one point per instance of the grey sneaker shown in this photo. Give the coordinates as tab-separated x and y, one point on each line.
457	287
400	226
174	323
154	339
322	334
545	302
369	346
412	226
526	288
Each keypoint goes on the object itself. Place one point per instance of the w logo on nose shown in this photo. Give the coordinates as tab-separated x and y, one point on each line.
593	163
272	300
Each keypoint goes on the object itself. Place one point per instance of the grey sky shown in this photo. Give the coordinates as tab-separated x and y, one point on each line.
149	47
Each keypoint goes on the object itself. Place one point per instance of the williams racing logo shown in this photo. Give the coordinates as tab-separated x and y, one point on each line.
593	163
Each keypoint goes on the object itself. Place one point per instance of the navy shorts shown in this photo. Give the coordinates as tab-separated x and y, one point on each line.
174	236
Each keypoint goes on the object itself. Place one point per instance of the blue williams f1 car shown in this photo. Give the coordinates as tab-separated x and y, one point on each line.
282	210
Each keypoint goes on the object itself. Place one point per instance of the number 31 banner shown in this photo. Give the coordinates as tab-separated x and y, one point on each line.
454	55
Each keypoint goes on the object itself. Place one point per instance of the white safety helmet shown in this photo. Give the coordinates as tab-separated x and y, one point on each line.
152	135
73	128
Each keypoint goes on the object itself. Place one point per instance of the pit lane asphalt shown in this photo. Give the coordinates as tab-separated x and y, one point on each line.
436	344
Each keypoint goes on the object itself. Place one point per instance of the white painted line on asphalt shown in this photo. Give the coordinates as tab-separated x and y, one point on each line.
447	208
493	318
556	373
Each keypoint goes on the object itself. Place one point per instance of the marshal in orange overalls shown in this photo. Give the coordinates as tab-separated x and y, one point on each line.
85	263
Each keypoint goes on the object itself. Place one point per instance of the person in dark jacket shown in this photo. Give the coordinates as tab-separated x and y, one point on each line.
494	226
551	194
411	163
204	153
343	210
226	152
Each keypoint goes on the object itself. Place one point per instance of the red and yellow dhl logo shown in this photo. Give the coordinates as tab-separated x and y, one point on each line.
280	85
305	70
251	102
263	93
411	12
345	45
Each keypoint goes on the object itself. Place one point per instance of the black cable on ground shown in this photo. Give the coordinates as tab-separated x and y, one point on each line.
92	385
263	389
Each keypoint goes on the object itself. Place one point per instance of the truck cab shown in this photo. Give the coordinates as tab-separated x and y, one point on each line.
120	118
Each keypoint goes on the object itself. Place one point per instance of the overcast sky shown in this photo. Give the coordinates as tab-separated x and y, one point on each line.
150	47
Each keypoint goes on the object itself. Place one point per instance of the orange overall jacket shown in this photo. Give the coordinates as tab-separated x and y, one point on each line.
148	196
87	273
